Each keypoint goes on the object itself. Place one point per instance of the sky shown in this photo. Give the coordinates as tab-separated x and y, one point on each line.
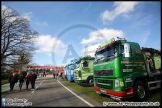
69	30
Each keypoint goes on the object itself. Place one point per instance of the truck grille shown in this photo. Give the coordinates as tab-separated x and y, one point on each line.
103	72
105	81
106	84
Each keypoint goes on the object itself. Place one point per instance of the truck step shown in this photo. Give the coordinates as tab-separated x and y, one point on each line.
154	84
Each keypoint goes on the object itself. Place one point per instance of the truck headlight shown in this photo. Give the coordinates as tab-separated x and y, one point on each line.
116	83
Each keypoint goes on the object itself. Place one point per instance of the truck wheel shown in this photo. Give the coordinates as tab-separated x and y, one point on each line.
140	91
90	81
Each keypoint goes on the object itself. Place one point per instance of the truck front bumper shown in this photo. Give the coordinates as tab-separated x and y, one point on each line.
114	94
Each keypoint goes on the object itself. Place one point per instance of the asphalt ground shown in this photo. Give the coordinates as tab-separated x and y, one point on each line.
49	92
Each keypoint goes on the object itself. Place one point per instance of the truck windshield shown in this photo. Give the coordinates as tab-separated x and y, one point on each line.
73	67
105	53
77	65
85	64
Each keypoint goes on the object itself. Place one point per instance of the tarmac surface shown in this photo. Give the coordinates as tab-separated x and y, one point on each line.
49	92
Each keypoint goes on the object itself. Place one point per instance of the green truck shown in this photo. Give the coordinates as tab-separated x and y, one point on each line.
83	72
123	69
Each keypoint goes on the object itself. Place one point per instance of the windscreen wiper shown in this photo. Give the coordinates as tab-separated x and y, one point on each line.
108	57
98	59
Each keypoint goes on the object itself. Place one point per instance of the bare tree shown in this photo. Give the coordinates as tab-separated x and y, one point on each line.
22	61
16	36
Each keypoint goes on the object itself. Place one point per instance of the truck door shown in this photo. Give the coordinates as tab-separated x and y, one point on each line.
138	61
127	63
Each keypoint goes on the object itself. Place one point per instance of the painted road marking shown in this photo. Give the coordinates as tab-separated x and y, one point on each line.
77	96
37	87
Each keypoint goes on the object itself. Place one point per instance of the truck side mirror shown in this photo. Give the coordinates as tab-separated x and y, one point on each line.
127	51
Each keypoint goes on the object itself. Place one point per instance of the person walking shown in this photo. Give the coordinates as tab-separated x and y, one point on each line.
21	81
61	75
57	76
12	80
45	74
54	75
32	79
27	80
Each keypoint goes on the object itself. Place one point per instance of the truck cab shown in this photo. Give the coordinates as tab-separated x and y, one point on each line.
83	71
70	69
121	70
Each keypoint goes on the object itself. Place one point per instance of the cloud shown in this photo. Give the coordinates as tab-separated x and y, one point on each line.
3	7
141	21
45	45
27	15
10	19
102	35
41	23
90	49
156	44
88	6
141	38
144	37
122	8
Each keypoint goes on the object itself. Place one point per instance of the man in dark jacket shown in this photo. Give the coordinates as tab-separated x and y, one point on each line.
12	80
54	75
32	79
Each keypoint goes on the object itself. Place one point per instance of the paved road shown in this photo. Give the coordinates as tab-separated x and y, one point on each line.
50	93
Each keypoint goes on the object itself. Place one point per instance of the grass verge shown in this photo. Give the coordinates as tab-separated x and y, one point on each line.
155	95
88	91
4	81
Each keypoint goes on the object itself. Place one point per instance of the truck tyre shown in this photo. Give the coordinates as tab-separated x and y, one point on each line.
90	81
140	91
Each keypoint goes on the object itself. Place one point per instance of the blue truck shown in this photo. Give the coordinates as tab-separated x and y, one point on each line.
70	68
